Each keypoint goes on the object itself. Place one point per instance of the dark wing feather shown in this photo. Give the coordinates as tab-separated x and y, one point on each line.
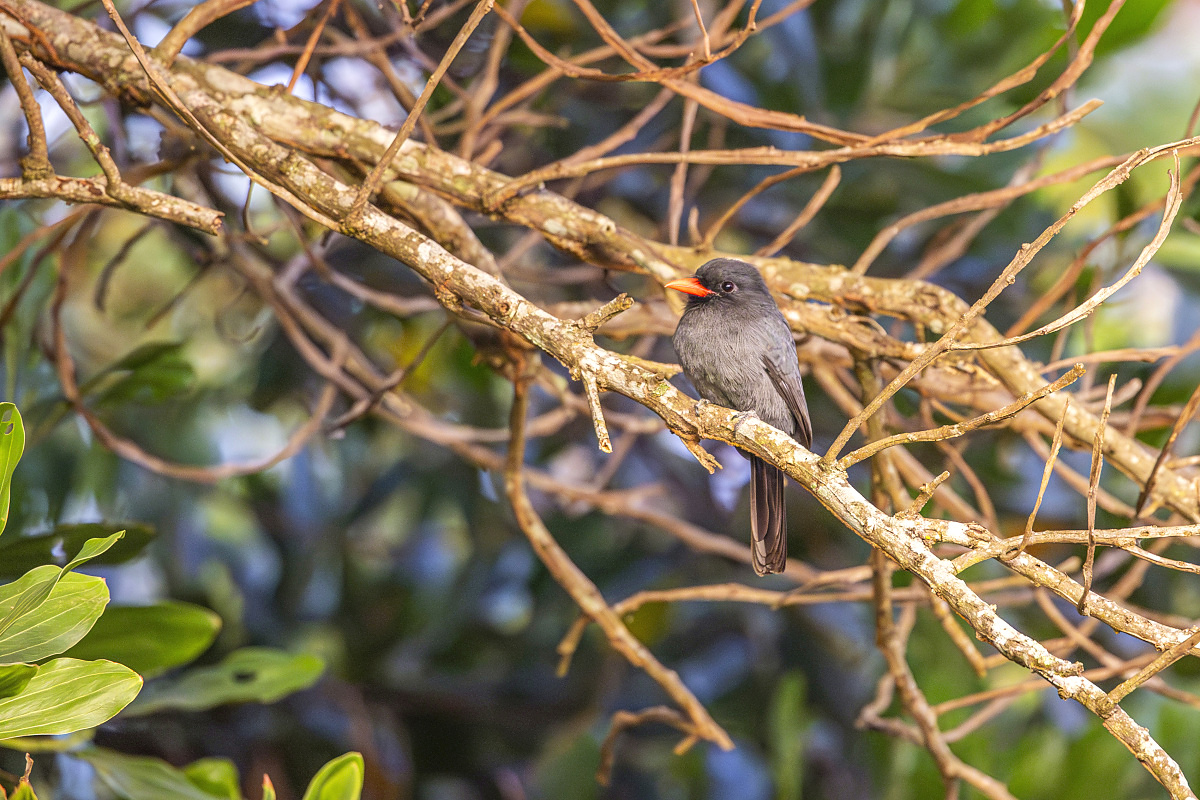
792	391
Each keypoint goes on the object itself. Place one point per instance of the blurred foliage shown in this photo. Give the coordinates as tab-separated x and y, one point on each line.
389	561
54	704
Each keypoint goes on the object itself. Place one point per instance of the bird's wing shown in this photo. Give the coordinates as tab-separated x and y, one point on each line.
792	391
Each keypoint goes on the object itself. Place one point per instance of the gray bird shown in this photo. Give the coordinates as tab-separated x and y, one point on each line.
737	350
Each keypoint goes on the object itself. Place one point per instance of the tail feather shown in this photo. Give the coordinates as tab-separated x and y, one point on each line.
768	518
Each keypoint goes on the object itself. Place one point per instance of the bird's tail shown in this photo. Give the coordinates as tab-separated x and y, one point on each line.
768	518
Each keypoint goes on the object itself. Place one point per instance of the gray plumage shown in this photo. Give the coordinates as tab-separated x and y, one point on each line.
737	349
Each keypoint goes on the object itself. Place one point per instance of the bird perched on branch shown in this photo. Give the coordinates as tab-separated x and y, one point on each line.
737	349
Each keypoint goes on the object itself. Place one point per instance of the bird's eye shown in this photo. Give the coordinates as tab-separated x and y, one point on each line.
727	286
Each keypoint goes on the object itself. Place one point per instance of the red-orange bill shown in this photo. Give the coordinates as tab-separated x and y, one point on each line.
689	286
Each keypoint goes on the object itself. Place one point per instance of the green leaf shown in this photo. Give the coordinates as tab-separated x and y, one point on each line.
268	788
143	777
12	445
71	609
252	674
15	677
340	779
92	548
217	776
48	577
19	554
150	639
23	791
67	695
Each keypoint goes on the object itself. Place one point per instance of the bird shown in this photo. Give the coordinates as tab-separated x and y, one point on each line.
737	350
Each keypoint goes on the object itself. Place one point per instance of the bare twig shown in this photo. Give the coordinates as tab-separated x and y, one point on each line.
679	175
1093	483
36	164
199	17
1056	443
580	587
624	720
1189	411
1156	666
95	191
949	340
375	179
331	8
961	428
806	215
976	202
1174	202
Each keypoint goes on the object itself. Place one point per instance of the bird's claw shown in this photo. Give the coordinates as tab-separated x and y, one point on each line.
741	417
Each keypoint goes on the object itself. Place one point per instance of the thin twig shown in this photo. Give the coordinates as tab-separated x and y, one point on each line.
949	623
36	164
624	720
593	398
1093	483
707	45
375	179
949	340
199	17
1174	202
961	428
995	198
311	43
806	215
1056	443
1181	422
679	174
1156	666
580	587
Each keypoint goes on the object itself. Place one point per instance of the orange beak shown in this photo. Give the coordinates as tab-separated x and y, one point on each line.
689	286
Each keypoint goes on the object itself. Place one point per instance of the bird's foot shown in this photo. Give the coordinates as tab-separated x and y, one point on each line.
741	417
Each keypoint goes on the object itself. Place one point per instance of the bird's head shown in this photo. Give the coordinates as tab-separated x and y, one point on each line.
724	280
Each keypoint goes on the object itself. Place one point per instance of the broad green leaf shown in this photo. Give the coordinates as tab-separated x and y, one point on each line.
60	621
12	445
23	791
38	590
252	674
143	777
217	776
15	677
33	588
340	779
150	639
19	554
92	548
67	695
